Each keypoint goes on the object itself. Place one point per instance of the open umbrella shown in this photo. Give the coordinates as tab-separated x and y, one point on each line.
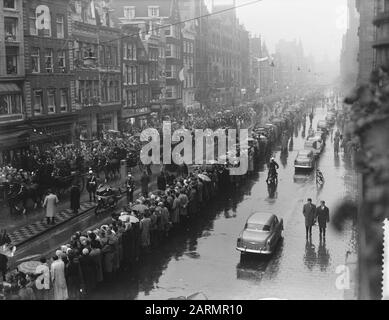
197	296
204	177
139	207
28	266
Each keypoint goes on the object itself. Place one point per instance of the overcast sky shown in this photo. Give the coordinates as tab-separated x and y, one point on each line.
319	23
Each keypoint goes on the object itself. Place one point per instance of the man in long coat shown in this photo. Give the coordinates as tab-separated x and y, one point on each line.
145	180
50	203
75	198
309	212
323	217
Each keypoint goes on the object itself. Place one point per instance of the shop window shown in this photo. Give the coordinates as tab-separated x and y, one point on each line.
9	4
38	102
64	100
60	27
51	107
49	60
10	29
12	60
10	104
35	60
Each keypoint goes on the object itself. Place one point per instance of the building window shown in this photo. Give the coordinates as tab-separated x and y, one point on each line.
168	52
60	27
133	98
169	92
62	60
153	11
168	31
141	74
10	104
38	102
51	101
35	60
64	100
12	60
10	29
129	12
9	4
131	51
49	60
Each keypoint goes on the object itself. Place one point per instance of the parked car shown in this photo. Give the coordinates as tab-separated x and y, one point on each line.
315	144
261	234
322	125
305	159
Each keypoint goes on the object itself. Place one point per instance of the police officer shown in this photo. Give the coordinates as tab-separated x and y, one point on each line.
130	187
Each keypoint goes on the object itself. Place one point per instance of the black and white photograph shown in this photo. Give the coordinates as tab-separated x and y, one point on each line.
208	150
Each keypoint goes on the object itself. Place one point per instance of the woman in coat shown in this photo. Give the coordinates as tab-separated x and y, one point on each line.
50	203
57	270
145	225
108	254
97	259
175	213
74	279
89	271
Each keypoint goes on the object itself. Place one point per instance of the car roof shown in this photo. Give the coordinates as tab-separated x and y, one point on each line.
265	218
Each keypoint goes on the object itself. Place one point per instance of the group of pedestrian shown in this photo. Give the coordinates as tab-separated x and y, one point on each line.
77	268
313	214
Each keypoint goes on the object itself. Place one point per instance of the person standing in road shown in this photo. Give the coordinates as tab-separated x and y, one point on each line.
323	217
91	186
57	270
50	203
75	198
145	180
309	212
161	181
130	188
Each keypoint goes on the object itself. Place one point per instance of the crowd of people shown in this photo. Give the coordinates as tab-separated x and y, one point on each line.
77	268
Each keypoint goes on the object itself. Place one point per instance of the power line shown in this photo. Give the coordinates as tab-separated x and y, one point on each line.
158	28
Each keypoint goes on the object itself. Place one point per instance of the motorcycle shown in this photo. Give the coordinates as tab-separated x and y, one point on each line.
107	199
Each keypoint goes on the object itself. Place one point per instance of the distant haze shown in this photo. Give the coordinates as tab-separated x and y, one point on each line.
320	24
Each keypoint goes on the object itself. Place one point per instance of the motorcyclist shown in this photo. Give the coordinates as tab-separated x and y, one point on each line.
273	166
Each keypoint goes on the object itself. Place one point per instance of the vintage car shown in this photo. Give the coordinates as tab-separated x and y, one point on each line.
322	125
315	144
305	159
261	234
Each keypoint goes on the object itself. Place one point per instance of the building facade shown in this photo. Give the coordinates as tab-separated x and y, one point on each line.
350	47
366	38
97	67
381	34
12	105
49	76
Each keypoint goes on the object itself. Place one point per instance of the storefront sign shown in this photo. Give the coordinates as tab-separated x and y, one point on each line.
128	113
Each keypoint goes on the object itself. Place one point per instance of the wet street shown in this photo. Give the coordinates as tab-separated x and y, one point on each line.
203	256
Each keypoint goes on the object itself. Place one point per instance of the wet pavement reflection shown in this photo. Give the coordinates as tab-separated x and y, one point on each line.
202	256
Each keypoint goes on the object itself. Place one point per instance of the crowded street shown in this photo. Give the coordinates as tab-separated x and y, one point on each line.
203	257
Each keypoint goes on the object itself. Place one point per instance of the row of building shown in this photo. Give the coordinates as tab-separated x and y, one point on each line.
72	68
366	42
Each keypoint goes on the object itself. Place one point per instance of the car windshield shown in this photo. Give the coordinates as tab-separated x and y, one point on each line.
257	227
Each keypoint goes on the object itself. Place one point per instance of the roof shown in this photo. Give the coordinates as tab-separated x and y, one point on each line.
261	217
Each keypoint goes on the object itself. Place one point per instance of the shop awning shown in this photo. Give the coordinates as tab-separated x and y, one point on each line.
9	88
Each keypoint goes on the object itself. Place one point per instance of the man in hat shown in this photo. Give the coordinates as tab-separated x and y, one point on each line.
323	217
130	188
91	186
50	203
309	212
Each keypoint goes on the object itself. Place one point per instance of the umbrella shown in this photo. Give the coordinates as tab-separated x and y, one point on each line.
139	207
34	256
28	266
204	177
